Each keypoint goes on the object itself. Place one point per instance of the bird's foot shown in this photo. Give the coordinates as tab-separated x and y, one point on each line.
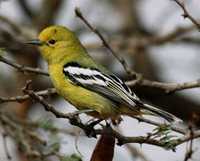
90	132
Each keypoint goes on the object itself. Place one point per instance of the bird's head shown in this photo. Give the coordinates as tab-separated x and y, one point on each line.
54	41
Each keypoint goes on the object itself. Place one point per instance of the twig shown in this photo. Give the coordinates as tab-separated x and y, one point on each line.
14	26
23	68
190	151
23	98
131	43
12	123
161	39
26	136
25	8
71	116
137	76
167	87
176	129
136	153
144	139
48	107
191	126
76	144
122	139
139	80
5	146
186	13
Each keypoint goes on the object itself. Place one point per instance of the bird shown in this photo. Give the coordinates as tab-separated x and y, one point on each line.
85	83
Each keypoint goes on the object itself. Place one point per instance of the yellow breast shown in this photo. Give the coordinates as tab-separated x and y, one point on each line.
80	97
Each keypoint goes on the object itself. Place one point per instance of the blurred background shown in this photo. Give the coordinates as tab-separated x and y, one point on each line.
152	36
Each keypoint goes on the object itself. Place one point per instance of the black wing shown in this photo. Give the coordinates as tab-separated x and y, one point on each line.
108	85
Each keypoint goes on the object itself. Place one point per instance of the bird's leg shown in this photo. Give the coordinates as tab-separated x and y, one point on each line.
93	123
75	119
116	121
91	132
77	113
83	111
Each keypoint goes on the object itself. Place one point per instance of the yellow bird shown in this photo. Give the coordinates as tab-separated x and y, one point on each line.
85	83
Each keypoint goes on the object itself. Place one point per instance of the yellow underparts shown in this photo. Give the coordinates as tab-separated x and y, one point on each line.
83	99
80	97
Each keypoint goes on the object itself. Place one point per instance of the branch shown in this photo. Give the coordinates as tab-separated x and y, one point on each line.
14	26
136	153
5	135
167	87
161	39
26	136
74	120
25	8
23	68
105	43
145	139
25	97
174	128
190	150
186	13
131	43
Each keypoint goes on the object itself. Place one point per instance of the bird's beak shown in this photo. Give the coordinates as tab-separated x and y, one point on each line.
36	42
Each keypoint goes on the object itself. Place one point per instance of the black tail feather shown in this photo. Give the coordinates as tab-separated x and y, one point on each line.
155	111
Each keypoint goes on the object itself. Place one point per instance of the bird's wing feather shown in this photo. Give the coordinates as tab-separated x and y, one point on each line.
108	85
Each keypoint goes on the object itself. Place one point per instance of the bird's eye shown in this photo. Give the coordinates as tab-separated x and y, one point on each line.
52	41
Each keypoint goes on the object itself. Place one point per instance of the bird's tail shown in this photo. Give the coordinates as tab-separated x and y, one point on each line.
155	111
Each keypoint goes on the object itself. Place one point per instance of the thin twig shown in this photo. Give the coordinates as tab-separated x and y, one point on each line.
74	119
23	68
168	37
26	136
133	42
190	151
174	128
132	73
25	97
186	14
14	26
5	146
191	126
139	80
167	87
121	139
76	143
136	153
